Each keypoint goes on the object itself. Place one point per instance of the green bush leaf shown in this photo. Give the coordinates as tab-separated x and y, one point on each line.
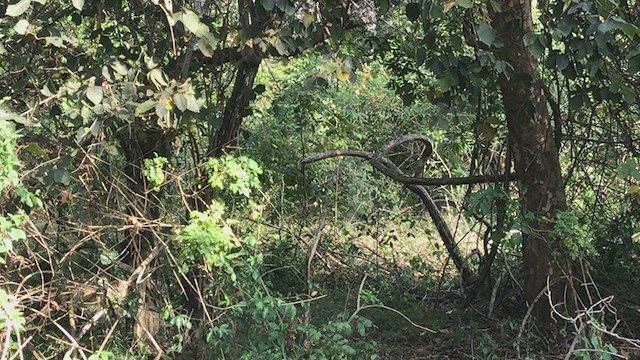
78	4
18	9
191	21
467	4
95	94
268	4
486	34
413	11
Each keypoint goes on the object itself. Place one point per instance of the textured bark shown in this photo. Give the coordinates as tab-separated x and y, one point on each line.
237	104
535	155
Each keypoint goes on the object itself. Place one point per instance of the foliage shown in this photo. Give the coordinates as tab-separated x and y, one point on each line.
153	171
150	201
236	174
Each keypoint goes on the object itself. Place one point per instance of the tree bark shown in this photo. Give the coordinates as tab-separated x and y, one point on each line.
237	104
535	157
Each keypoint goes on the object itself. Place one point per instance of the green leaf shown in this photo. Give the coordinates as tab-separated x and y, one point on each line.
280	46
575	101
207	43
62	177
486	34
21	27
413	11
630	30
180	101
286	6
562	61
192	104
633	65
529	38
610	24
191	21
95	94
18	9
447	81
307	19
78	4
119	68
268	4
144	107
161	109
383	6
467	4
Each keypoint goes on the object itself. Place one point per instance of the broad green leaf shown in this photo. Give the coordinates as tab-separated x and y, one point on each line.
95	94
562	61
575	101
55	41
161	109
447	81
307	19
157	77
610	24
17	234
383	6
630	30
193	104
467	4
268	4
18	9
343	73
21	27
280	46
629	168
529	38
181	101
144	107
486	131
191	21
119	68
413	11
62	176
486	34
286	6
207	44
96	127
78	4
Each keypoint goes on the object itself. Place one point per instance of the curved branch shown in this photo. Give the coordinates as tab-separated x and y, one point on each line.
335	153
388	168
410	138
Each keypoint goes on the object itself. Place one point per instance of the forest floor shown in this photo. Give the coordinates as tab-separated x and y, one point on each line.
489	327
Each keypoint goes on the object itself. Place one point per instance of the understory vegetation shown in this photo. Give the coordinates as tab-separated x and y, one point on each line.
276	179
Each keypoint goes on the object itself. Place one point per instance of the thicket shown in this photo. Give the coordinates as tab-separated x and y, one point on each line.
127	231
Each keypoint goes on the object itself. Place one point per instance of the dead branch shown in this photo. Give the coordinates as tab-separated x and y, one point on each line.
388	168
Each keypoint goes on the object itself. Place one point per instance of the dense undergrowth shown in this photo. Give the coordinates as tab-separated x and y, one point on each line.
333	261
125	233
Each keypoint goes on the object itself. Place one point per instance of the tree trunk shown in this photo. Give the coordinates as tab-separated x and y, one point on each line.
249	14
238	102
535	156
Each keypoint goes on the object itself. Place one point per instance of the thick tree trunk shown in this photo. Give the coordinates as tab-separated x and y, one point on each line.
249	14
535	156
238	103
